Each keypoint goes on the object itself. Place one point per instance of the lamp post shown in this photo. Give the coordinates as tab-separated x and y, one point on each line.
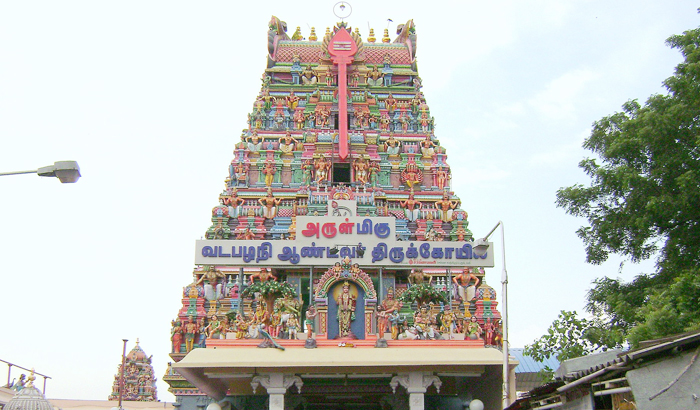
479	248
67	172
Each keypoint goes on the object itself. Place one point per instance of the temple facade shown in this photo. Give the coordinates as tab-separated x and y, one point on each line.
338	269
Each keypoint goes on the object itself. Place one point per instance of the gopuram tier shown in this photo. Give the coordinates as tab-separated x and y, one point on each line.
338	258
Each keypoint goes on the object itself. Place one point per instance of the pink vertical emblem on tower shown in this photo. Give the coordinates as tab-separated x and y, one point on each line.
342	49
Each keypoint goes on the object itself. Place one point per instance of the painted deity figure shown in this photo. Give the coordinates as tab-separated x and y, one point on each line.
269	171
264	275
427	147
234	202
392	146
213	329
384	122
466	284
275	323
395	320
442	175
308	77
287	143
374	77
292	100
474	329
323	114
346	310
292	326
269	204
424	324
361	167
307	172
446	207
246	235
309	321
448	320
191	330
373	173
239	171
390	103
299	119
418	277
411	206
385	310
322	168
176	335
329	77
411	175
241	327
212	287
254	142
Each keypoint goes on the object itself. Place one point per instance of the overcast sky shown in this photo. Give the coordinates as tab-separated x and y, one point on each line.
150	97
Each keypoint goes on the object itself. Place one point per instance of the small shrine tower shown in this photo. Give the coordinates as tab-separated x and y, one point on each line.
139	380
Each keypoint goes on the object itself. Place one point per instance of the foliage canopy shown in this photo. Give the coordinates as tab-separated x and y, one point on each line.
643	202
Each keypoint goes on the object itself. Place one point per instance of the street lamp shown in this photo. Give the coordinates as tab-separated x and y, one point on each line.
67	172
479	248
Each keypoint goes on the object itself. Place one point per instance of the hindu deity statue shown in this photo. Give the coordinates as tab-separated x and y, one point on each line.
287	143
191	330
374	77
465	285
385	310
309	321
392	146
212	287
474	329
264	275
442	175
269	171
448	320
322	168
254	142
269	204
411	206
427	147
176	335
418	277
234	202
361	170
292	100
411	175
307	169
346	310
446	207
308	77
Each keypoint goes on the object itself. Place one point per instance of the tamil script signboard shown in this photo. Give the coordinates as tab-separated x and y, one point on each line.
324	240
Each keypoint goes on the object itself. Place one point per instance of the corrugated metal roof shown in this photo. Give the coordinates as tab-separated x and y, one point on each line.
529	365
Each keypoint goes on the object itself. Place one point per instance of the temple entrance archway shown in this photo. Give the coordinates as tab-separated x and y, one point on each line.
357	321
329	289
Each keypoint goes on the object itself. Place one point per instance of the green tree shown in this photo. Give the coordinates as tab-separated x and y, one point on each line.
644	202
422	294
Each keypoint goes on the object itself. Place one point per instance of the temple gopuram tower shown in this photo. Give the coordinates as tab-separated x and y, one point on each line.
338	269
139	379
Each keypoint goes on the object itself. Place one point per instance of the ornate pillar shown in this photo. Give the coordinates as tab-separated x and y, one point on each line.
415	383
276	385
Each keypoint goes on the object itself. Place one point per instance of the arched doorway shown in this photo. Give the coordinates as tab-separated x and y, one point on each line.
357	321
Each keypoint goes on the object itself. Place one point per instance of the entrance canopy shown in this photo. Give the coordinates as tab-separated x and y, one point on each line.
216	371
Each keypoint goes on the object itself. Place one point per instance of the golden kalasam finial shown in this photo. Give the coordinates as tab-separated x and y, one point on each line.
386	38
328	31
137	342
371	37
357	31
30	379
312	35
